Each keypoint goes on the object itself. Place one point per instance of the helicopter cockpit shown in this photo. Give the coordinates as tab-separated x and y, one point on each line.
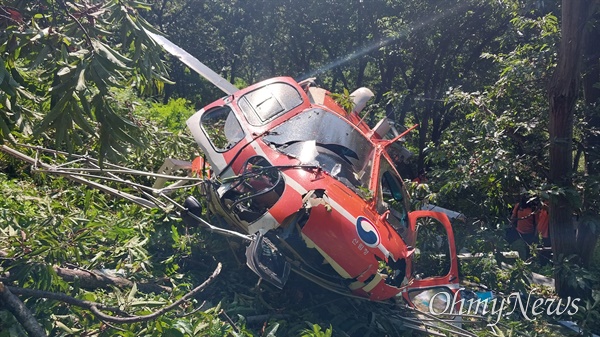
324	139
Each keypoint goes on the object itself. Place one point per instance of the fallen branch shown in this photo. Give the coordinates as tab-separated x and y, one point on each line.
92	279
250	320
159	312
96	308
63	298
21	313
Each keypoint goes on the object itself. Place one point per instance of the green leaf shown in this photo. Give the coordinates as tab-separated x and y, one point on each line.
147	303
172	332
40	34
63	327
132	293
141	5
271	330
53	115
175	234
111	55
41	56
81	121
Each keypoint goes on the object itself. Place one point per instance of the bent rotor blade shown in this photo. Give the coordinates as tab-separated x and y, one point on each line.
193	63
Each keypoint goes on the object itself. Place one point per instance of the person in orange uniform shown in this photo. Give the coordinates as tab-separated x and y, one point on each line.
523	218
543	231
421	177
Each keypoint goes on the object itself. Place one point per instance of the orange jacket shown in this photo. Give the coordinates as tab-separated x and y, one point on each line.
525	219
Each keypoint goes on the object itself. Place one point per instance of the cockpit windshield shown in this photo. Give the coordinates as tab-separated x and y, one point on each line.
318	137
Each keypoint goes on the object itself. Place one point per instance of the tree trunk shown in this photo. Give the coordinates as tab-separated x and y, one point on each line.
591	95
563	91
586	236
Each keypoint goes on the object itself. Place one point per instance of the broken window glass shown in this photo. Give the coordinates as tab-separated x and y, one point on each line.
321	138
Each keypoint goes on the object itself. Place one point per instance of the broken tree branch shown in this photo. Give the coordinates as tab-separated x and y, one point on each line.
159	312
96	308
21	313
92	279
62	298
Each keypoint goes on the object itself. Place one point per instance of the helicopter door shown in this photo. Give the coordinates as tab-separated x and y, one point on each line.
434	264
392	198
216	130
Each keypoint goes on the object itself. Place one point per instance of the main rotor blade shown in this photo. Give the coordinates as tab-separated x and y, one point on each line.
193	63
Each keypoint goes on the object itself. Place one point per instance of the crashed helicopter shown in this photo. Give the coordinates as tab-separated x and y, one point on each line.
295	169
309	185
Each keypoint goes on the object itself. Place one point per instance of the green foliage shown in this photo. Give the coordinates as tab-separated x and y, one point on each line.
576	276
172	115
62	60
499	146
9	326
471	73
344	100
316	331
588	315
47	221
53	225
365	193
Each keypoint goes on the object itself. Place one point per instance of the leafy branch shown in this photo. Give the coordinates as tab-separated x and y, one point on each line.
86	34
344	100
15	305
64	71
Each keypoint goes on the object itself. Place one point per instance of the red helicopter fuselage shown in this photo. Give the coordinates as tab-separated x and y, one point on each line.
287	160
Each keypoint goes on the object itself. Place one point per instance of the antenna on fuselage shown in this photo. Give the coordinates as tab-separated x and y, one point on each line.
395	139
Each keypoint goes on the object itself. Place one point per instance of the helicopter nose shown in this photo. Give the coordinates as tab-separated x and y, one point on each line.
194	207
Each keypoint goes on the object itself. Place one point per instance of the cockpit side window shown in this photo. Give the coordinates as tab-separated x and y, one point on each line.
391	186
263	104
222	128
392	196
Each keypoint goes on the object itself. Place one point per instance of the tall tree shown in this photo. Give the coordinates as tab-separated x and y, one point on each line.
435	46
563	93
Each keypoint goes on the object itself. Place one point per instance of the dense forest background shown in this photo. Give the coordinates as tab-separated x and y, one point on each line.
505	93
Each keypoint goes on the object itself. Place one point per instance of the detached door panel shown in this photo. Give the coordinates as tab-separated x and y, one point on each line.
434	265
